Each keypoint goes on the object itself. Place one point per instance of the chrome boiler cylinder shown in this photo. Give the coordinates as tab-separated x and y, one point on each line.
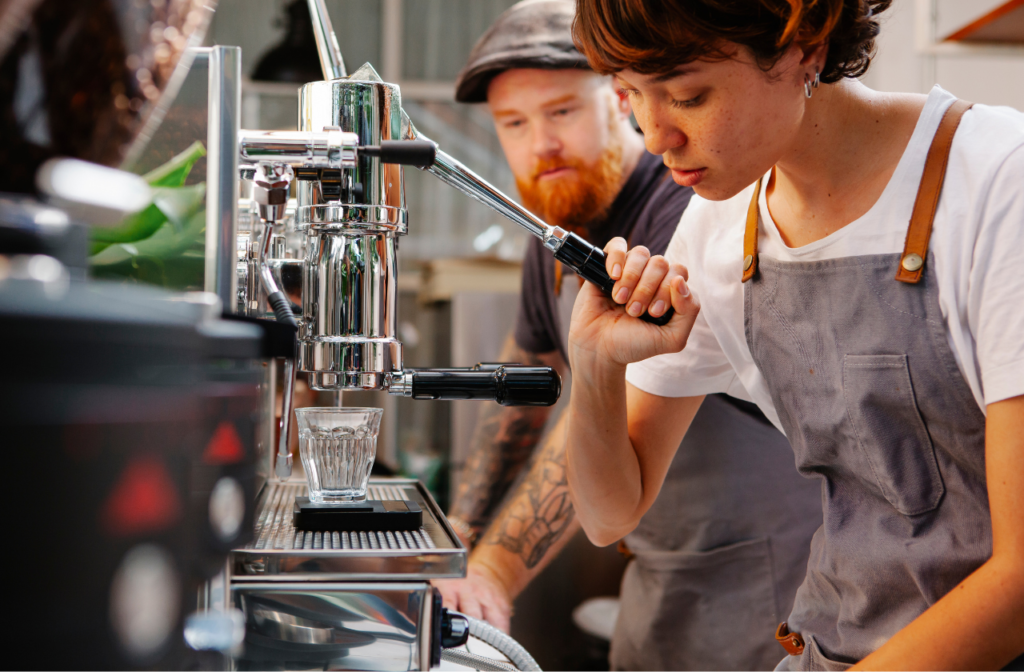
352	218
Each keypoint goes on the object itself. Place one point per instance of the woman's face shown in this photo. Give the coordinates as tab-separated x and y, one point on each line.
720	125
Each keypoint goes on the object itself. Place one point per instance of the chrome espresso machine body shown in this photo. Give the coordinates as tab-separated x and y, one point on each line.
327	264
346	598
346	162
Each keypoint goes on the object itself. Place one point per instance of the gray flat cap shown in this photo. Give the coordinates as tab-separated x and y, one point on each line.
530	34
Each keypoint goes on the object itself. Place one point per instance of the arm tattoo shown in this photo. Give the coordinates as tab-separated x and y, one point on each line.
502	444
539	511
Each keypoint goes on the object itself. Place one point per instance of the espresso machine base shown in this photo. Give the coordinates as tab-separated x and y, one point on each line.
281	552
343	599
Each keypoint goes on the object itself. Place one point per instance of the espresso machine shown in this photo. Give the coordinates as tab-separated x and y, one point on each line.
346	161
327	264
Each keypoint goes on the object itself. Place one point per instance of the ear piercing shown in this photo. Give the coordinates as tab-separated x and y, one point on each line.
810	85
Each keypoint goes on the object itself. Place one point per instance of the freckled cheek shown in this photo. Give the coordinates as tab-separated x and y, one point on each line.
711	137
741	138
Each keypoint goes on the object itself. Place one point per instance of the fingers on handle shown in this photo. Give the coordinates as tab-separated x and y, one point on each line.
684	302
615	257
662	300
650	283
632	271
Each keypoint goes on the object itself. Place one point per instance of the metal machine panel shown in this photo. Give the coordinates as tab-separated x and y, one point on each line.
352	626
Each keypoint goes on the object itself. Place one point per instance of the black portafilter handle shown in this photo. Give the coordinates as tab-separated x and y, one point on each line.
589	263
419	153
507	384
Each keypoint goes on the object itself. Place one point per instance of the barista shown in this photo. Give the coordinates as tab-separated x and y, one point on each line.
853	264
725	546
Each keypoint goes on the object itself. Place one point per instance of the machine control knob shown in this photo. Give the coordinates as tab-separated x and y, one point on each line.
419	153
454	629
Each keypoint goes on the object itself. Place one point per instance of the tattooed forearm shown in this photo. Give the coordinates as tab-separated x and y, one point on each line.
502	444
540	510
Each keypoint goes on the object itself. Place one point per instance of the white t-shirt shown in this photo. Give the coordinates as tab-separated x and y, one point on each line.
977	245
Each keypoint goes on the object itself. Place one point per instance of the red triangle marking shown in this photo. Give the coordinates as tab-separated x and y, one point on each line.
144	499
224	447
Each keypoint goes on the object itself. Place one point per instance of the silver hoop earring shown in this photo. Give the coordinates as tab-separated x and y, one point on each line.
809	84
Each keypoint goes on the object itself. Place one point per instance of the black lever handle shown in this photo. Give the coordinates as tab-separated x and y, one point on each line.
589	263
509	385
419	153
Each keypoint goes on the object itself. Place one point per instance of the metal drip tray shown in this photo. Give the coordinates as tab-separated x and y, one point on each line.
279	552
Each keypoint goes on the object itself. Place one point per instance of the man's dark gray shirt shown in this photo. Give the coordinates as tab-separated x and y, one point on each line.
645	212
720	554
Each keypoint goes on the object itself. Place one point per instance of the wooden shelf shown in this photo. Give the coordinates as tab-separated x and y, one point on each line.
441	278
1002	25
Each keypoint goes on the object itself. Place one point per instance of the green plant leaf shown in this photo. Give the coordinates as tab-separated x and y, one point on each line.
135	227
175	172
168	203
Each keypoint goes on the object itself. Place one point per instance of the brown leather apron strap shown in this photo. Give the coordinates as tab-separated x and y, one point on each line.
919	233
750	236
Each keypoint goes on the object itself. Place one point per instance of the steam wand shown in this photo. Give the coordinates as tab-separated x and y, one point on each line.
271	182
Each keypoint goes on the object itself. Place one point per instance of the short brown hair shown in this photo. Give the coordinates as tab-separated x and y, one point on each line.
655	36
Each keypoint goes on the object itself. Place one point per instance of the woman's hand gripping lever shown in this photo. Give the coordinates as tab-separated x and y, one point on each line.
591	264
644	286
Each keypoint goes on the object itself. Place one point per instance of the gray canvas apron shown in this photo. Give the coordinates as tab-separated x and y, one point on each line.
719	556
866	385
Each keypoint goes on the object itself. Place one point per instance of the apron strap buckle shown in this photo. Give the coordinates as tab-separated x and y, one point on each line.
792	642
919	233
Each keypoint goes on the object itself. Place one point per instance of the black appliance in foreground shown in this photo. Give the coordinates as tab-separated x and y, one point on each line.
128	418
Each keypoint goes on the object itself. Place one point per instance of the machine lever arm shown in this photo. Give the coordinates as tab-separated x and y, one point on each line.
331	61
585	259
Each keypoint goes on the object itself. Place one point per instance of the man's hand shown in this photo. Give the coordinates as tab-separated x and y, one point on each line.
480	595
529	531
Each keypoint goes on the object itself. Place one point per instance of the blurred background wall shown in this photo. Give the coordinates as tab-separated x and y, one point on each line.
914	53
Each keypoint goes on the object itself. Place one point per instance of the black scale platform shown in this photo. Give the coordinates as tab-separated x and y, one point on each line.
393	515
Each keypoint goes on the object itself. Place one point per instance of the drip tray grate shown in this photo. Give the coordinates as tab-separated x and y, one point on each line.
274	528
280	551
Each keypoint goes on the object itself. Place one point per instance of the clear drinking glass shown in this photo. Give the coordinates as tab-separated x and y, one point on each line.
337	447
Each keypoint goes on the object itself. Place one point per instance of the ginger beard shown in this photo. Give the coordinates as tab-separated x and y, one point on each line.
583	195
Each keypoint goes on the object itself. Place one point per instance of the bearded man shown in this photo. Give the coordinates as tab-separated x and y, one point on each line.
717	560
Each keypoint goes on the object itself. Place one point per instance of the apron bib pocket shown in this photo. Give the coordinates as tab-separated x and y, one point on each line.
880	402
